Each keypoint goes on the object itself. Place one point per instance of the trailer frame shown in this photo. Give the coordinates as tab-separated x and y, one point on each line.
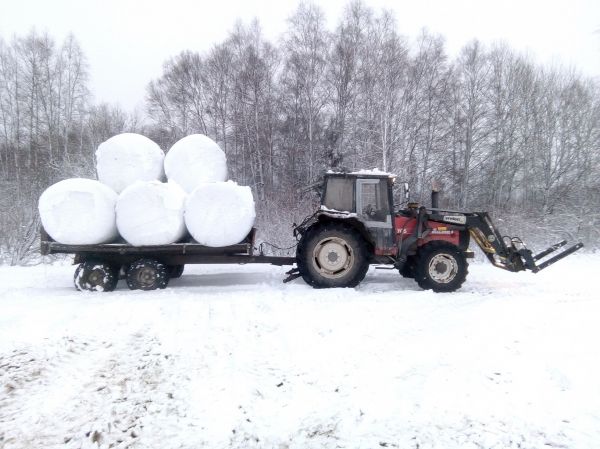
187	252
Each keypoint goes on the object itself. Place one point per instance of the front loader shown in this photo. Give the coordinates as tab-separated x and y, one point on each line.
356	226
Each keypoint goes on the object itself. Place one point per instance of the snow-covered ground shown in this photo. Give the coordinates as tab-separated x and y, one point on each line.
228	356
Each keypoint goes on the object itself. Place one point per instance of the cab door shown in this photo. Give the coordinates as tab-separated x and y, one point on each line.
374	209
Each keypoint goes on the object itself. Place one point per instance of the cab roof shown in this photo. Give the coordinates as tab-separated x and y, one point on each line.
375	173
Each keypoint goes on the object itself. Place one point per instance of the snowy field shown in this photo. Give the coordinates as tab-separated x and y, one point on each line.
228	356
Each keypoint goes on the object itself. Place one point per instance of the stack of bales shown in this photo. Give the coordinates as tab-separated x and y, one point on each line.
130	198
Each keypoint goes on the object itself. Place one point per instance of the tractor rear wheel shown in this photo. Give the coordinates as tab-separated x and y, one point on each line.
441	267
147	274
332	255
96	276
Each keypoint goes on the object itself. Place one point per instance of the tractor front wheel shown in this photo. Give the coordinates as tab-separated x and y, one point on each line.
332	255
441	267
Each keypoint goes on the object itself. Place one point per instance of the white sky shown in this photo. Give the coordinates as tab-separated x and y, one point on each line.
127	41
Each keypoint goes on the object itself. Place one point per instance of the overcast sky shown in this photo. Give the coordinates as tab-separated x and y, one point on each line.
127	41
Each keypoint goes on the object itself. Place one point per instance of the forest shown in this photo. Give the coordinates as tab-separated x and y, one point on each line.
495	129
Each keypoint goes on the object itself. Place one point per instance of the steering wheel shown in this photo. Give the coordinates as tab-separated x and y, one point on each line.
369	210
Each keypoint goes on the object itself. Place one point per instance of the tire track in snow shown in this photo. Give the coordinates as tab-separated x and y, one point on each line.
121	394
85	391
38	382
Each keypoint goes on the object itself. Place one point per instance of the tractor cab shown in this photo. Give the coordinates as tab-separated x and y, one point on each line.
367	197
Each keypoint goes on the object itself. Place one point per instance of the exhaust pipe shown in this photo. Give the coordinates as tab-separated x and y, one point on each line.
435	194
435	199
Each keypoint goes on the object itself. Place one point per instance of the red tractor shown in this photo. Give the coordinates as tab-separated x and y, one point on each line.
356	226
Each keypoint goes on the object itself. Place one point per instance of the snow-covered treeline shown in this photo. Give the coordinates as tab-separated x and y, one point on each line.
49	130
493	128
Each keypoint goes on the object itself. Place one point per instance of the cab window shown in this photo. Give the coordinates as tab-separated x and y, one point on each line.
339	194
374	200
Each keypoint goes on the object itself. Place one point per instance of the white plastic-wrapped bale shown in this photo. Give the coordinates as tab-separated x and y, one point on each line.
79	212
151	213
220	214
126	158
194	160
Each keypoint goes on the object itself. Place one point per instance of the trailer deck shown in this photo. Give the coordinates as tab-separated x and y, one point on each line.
182	253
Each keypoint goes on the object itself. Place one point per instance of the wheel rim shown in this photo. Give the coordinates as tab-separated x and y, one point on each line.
146	277
442	268
96	278
333	257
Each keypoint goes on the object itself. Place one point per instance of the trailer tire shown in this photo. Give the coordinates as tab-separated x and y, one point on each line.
96	276
175	271
441	267
147	274
332	255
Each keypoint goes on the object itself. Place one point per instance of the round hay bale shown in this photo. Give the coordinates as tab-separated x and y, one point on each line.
195	160
220	214
127	158
151	213
79	212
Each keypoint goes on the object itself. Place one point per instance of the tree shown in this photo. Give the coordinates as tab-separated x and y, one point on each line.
177	101
43	108
472	117
305	46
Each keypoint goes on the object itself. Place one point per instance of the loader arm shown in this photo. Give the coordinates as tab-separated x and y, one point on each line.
503	252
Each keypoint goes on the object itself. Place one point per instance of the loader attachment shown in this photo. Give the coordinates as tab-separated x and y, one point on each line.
508	253
511	253
553	248
530	261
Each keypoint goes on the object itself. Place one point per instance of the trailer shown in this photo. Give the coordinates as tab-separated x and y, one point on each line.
99	267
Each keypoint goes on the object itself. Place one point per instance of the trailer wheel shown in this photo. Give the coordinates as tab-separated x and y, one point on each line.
332	255
96	276
441	267
175	271
147	274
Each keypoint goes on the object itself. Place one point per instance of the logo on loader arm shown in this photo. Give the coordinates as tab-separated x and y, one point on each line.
456	219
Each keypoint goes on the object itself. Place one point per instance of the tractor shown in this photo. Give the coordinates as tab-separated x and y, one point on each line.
356	226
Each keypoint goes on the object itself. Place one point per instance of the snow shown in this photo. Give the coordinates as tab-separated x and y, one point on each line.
335	212
151	213
374	171
194	160
220	214
126	158
229	357
79	211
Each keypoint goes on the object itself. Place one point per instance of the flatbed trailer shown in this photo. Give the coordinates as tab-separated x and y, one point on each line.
149	267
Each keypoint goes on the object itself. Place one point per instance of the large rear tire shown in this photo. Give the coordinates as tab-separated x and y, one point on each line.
96	276
332	255
441	267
